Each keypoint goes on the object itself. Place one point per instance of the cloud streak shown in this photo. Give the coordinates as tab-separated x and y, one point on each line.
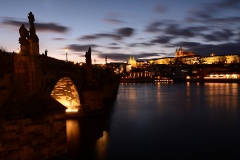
119	34
41	27
113	21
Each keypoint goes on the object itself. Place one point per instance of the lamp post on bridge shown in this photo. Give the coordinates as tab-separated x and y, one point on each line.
66	49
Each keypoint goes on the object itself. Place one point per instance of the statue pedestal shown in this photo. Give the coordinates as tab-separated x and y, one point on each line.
33	48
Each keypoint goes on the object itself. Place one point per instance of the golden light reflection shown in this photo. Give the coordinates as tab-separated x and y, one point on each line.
223	94
101	145
73	133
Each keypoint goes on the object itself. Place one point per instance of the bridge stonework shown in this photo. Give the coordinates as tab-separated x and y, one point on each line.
32	122
39	74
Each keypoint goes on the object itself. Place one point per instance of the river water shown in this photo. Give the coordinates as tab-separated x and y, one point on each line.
162	121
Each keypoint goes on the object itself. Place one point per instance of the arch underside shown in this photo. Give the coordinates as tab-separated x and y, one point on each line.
66	93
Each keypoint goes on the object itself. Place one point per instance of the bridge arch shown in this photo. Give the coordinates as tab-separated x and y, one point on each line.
67	91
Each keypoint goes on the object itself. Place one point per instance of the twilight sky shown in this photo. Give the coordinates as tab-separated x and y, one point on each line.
118	29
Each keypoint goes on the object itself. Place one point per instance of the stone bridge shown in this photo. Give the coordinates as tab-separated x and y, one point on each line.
35	92
28	76
80	88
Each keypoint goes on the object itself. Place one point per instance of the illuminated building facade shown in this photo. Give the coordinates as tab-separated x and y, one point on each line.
234	58
190	59
164	60
182	53
213	59
132	61
138	73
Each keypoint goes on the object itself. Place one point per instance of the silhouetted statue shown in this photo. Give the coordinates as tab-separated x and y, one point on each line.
88	57
23	32
23	40
46	51
33	35
28	39
31	17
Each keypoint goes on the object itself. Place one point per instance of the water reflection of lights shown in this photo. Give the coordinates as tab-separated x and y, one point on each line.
224	95
101	145
73	132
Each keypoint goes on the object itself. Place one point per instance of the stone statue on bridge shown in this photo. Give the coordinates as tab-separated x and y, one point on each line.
88	57
28	39
23	39
33	35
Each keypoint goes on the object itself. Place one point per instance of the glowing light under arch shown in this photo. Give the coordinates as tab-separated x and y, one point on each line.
66	93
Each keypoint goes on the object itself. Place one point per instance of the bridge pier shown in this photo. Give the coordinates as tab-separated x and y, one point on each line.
27	73
29	116
93	100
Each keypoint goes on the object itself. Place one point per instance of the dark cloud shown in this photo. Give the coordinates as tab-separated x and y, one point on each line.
113	44
175	30
115	56
211	11
217	36
154	27
80	48
162	39
139	44
210	33
14	23
228	3
125	32
44	27
58	39
169	29
51	27
100	35
118	35
210	20
114	48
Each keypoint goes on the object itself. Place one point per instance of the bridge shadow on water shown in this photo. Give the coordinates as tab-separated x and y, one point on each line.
87	137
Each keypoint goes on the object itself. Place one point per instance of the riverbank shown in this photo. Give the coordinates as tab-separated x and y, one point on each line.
180	80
